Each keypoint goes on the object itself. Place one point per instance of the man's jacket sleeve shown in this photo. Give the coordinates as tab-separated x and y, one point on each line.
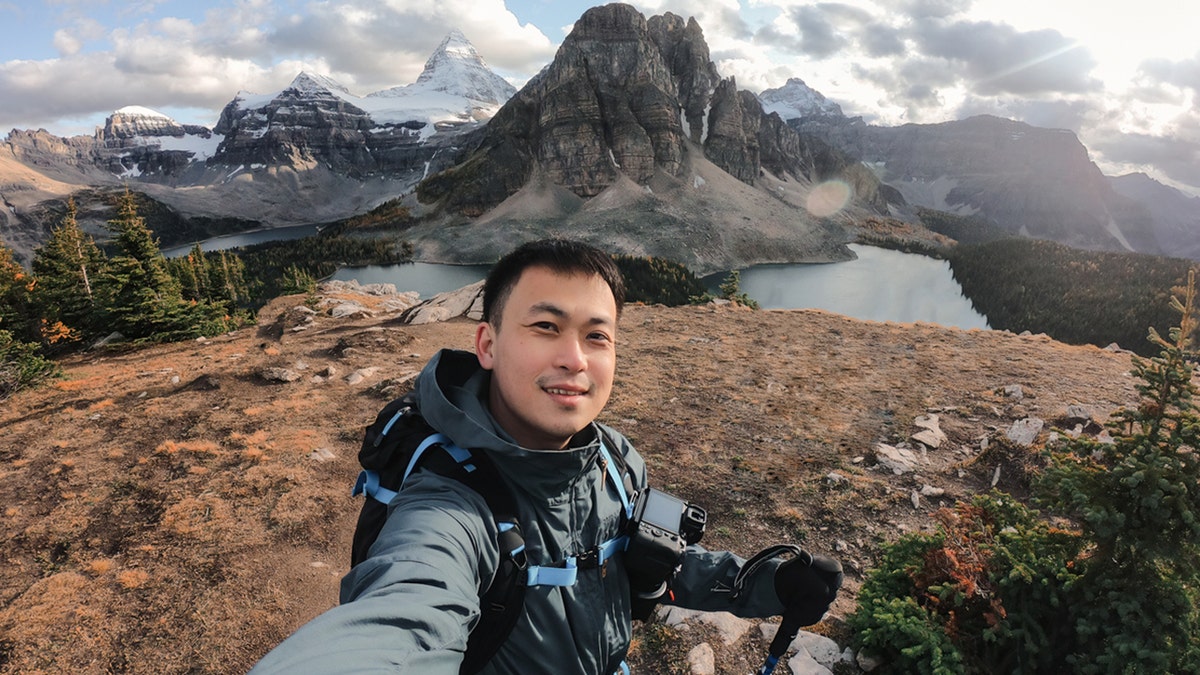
410	605
705	580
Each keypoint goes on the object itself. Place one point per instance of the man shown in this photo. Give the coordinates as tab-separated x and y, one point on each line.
545	356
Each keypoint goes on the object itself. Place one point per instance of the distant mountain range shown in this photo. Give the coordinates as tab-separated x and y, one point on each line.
630	138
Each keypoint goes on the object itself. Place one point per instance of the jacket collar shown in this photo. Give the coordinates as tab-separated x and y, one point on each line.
451	394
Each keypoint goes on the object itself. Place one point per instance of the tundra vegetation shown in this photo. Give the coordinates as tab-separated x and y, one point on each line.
1105	580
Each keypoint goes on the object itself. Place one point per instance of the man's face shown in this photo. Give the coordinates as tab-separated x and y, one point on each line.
552	356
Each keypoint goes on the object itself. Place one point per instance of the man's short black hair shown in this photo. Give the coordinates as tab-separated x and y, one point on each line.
562	256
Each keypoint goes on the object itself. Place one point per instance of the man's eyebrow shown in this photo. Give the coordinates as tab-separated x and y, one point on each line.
555	310
549	308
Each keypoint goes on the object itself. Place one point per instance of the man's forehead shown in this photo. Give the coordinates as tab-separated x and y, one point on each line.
542	289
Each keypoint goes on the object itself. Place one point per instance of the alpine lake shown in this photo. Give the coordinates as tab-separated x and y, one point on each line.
880	285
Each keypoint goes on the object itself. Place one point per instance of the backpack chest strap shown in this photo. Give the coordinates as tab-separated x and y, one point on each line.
567	572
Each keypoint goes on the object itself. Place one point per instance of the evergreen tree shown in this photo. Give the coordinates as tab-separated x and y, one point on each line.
143	299
731	290
20	364
16	290
227	279
1137	500
67	268
192	272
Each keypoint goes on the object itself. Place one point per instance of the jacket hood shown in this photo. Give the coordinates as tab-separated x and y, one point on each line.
451	394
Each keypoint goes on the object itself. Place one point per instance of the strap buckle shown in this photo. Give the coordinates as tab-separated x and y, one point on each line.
588	559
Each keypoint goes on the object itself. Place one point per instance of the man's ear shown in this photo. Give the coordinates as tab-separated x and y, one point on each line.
485	341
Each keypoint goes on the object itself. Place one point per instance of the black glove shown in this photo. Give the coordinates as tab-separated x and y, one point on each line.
808	585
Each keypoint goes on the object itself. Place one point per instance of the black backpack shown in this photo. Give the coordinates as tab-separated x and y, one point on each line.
396	444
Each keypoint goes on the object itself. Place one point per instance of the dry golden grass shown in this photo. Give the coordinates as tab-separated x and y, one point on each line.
158	527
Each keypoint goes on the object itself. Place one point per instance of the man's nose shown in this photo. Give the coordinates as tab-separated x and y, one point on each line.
571	356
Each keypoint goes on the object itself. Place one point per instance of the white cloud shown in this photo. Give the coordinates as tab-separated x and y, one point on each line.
66	43
254	45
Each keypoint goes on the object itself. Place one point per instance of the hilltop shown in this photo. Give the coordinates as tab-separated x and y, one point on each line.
181	508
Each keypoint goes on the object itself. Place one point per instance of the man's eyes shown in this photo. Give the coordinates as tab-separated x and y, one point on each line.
551	327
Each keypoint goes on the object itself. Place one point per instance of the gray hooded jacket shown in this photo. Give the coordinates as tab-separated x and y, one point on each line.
409	607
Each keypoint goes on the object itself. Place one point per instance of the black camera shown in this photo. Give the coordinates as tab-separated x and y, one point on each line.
661	528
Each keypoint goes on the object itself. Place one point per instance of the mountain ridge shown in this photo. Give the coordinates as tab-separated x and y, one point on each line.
314	152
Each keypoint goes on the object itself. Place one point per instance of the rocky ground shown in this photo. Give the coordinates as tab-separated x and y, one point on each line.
182	508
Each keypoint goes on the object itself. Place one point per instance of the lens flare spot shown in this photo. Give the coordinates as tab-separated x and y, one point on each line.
828	198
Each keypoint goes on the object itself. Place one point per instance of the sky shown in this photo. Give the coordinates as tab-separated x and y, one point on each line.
1124	76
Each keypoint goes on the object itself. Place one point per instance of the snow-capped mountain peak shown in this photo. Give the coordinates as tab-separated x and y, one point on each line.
312	83
796	99
456	68
140	111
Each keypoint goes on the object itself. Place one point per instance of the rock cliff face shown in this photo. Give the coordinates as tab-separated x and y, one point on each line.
301	155
143	143
607	106
1176	215
305	124
134	143
403	132
1029	180
686	55
625	98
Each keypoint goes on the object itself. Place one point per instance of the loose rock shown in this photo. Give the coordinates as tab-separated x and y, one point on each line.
279	375
898	460
701	660
1024	432
931	432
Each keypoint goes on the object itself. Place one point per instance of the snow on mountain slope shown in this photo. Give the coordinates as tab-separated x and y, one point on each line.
796	99
455	87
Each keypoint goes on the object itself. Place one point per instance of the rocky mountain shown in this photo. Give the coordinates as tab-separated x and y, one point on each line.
397	132
631	136
1027	180
300	155
1176	216
797	100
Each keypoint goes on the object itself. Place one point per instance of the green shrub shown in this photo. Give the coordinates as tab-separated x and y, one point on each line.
985	593
999	589
1137	500
21	366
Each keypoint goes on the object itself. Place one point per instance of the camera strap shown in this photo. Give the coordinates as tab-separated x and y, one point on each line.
761	558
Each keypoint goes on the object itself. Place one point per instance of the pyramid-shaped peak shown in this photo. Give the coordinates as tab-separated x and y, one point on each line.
456	43
456	68
455	51
312	82
796	99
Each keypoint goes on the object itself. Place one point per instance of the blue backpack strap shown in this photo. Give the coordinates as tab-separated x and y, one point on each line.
368	481
368	484
458	454
565	573
618	481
